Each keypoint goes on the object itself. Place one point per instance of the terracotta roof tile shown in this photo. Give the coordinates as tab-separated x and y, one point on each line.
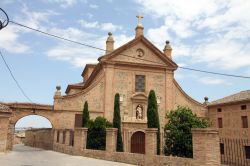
241	96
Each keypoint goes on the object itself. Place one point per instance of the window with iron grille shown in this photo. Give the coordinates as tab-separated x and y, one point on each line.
222	148
244	122
220	124
247	152
243	107
140	83
219	110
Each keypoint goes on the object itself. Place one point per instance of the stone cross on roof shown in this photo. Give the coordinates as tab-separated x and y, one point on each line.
139	17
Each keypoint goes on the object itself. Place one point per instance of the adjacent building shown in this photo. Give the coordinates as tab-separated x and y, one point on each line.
231	115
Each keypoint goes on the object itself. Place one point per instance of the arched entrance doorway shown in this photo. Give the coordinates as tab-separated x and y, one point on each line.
138	142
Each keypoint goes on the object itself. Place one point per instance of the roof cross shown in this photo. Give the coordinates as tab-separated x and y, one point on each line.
139	17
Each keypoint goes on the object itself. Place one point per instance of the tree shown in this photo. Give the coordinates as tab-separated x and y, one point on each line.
153	117
85	115
96	138
178	139
117	123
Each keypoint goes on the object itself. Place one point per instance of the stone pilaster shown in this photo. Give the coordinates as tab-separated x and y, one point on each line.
109	97
80	138
111	138
67	138
151	145
61	136
151	141
206	149
55	136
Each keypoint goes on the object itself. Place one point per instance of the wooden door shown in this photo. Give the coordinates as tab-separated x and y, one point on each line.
138	142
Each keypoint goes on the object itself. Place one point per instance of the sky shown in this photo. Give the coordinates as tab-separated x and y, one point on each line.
211	35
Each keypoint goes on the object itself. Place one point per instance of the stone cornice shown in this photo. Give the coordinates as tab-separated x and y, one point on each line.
30	106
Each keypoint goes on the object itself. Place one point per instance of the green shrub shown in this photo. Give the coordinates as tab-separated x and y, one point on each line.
178	136
96	138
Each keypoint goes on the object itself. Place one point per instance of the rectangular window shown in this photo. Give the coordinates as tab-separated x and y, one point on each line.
57	136
243	107
78	120
219	110
220	124
222	148
247	152
140	83
244	122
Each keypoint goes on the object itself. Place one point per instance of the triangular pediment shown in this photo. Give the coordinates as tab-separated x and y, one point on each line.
142	51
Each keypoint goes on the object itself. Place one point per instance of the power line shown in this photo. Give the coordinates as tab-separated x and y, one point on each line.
209	72
56	36
90	46
18	85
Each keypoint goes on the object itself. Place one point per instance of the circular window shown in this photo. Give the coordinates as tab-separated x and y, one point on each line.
139	52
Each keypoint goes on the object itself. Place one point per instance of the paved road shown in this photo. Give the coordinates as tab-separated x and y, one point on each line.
27	156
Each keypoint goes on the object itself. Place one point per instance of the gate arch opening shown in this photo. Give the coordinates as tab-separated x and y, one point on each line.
29	122
33	121
138	142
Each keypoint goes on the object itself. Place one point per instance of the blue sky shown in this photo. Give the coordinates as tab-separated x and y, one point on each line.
209	35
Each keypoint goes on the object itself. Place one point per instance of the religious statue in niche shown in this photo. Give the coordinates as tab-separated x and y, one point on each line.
139	111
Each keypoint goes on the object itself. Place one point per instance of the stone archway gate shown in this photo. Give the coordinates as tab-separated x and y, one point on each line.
10	113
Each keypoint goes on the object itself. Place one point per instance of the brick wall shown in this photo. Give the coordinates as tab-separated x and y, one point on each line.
40	138
205	147
4	133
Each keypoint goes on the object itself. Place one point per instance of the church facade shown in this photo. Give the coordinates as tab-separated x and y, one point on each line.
131	70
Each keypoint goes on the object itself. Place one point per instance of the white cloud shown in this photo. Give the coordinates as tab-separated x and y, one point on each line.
64	3
78	55
223	53
90	15
10	36
214	32
88	24
9	41
101	26
109	27
93	6
35	19
213	81
154	34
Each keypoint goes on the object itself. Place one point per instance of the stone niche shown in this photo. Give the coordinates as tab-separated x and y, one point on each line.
138	112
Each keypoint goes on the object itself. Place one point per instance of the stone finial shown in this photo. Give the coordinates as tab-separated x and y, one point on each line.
58	88
109	43
58	91
168	50
205	100
139	28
